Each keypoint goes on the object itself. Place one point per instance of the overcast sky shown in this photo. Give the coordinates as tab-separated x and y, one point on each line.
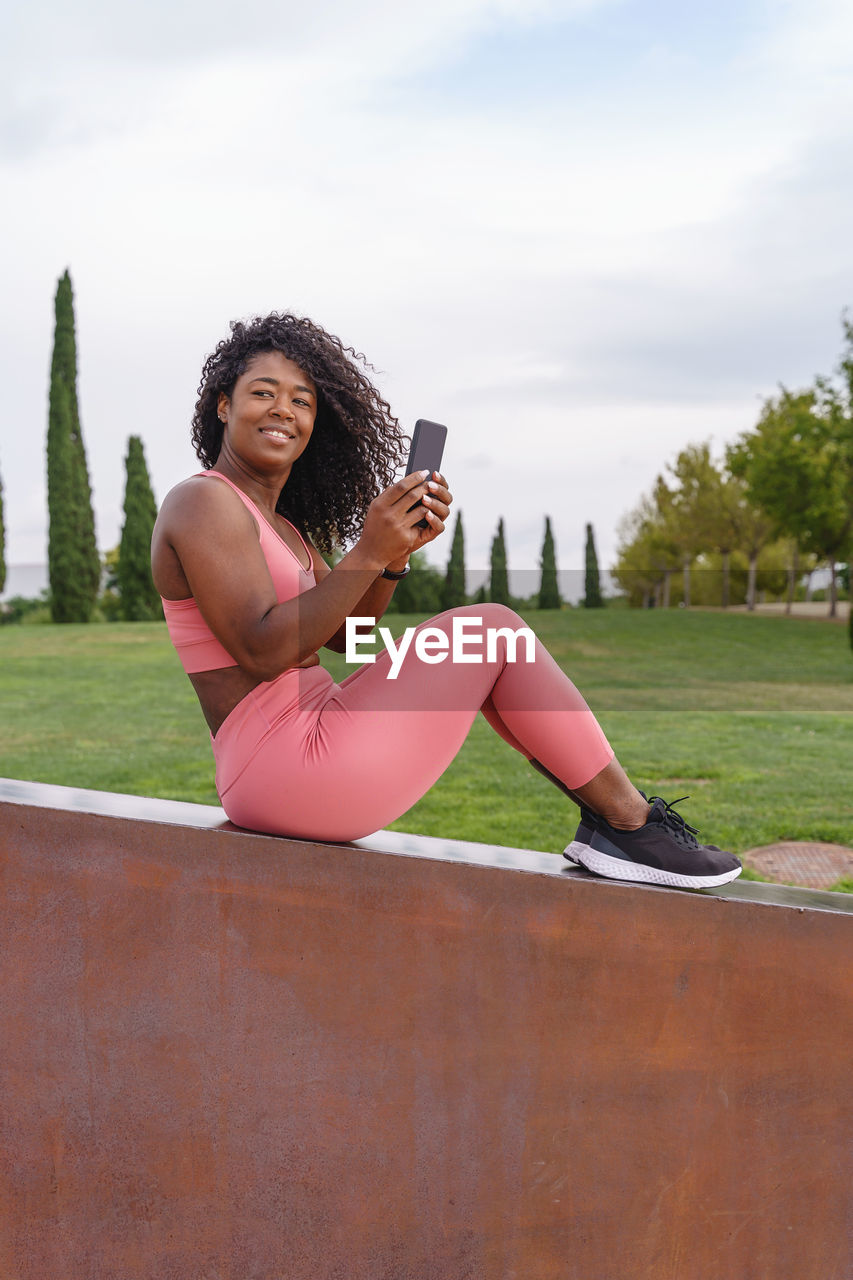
583	233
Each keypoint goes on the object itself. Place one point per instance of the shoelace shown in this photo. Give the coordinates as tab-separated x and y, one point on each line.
674	822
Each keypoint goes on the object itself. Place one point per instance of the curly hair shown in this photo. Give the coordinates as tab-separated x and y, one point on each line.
356	445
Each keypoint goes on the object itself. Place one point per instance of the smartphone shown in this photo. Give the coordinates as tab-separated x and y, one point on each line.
426	453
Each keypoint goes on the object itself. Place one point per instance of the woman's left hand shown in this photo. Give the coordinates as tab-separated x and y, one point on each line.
436	499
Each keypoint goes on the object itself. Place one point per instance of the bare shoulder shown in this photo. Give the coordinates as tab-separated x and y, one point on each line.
203	535
199	505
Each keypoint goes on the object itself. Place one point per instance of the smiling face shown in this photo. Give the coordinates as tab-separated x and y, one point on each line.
269	415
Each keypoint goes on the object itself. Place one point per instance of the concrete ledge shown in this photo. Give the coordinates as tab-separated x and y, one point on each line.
229	1055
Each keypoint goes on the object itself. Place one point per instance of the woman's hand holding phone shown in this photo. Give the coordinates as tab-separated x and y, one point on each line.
393	529
436	500
428	439
409	514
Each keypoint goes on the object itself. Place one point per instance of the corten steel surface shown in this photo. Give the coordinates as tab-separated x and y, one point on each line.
234	1057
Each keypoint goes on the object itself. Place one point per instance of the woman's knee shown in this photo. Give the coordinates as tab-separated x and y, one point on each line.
486	633
498	616
502	634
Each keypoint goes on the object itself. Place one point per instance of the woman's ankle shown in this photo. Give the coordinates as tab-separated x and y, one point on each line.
612	796
630	817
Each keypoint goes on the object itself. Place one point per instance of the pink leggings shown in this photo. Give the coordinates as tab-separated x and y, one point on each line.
302	756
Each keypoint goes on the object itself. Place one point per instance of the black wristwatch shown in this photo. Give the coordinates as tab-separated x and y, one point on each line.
395	577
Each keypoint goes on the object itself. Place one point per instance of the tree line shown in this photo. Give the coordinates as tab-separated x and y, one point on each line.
74	565
427	590
711	531
776	505
75	571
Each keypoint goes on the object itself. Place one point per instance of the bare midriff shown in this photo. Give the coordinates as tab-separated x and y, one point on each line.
220	691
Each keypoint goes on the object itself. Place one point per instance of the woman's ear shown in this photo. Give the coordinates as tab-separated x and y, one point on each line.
222	406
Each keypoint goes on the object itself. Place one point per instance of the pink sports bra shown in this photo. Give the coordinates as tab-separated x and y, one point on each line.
196	645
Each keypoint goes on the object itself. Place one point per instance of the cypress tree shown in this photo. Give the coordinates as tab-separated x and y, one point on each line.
453	592
549	591
499	578
74	566
592	586
63	602
139	599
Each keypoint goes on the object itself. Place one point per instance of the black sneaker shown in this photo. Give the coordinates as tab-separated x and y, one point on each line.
663	851
586	827
583	836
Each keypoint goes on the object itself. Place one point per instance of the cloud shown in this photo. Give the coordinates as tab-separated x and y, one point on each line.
71	74
578	272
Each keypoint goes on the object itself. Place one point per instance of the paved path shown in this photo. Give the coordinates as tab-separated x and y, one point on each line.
800	609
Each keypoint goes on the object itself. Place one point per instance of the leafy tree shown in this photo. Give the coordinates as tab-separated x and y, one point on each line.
838	404
498	577
549	590
756	533
728	520
645	558
74	566
844	404
783	501
798	563
140	601
707	521
798	464
797	472
453	592
664	551
774	568
17	608
2	543
687	510
592	582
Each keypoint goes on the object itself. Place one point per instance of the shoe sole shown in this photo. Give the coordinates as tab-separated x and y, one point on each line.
618	869
574	850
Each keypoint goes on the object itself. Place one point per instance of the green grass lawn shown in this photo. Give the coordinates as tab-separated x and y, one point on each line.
752	717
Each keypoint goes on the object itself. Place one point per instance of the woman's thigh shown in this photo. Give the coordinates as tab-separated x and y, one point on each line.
346	765
348	772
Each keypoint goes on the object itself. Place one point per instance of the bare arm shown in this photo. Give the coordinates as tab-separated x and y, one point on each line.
372	604
214	539
376	599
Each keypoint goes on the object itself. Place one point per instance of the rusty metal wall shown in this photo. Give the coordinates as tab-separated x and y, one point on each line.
229	1057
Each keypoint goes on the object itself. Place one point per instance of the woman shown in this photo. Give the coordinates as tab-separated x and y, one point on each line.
299	452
